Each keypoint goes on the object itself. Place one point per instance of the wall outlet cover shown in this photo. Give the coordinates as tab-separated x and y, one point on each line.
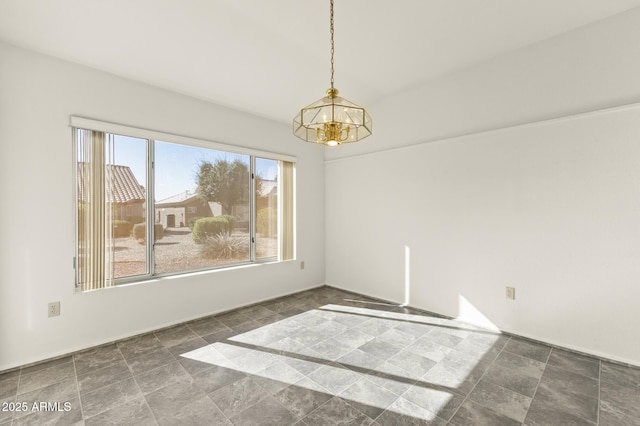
511	293
53	309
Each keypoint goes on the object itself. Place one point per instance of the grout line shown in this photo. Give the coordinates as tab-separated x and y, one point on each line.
75	375
539	380
216	405
131	399
599	391
144	397
15	396
481	377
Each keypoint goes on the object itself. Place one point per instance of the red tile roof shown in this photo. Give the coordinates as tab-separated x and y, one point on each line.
122	185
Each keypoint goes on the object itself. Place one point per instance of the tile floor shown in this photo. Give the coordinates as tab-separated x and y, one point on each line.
323	357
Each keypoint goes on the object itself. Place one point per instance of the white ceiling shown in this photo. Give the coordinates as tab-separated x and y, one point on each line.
270	58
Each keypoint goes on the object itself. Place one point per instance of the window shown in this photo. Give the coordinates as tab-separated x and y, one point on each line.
211	205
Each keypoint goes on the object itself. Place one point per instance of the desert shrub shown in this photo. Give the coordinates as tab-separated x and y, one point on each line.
139	232
159	231
209	227
267	222
225	246
193	221
122	228
232	222
135	219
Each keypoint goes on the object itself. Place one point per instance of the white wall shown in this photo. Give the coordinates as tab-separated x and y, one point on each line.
551	209
593	67
38	95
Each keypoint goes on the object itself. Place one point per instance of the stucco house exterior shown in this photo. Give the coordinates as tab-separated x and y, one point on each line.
176	211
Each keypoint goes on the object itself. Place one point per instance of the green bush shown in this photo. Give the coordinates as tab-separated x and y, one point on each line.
193	221
139	232
122	228
209	227
226	246
232	222
267	222
135	219
158	230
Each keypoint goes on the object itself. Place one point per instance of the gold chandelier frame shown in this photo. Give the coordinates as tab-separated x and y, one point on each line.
332	120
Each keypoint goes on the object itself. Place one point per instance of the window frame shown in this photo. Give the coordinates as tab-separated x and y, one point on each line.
152	136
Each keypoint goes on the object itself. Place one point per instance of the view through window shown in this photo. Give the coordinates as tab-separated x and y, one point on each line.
209	208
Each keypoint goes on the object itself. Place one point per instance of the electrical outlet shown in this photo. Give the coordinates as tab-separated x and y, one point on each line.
54	309
511	293
302	264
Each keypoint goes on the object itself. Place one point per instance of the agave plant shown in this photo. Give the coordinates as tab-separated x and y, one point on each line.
225	246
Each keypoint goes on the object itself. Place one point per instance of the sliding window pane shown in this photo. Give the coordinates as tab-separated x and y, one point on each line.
266	201
127	189
111	182
202	205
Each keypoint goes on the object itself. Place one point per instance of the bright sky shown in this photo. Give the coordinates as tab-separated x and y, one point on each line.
177	165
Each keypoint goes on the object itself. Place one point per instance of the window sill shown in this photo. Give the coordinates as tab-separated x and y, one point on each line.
195	273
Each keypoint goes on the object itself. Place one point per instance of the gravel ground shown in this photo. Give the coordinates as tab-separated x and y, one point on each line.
176	251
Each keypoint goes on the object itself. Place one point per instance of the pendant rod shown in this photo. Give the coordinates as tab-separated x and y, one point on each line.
332	42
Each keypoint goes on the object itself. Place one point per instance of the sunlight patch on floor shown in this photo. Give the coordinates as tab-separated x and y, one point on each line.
320	350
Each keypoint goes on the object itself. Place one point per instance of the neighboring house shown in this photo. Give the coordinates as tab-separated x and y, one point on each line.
268	196
177	210
124	192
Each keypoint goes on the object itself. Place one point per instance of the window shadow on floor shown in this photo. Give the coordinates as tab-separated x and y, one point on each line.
328	355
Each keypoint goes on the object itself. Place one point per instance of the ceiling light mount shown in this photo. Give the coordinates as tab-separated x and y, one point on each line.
332	120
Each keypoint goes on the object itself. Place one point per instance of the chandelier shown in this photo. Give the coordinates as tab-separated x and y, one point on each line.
332	120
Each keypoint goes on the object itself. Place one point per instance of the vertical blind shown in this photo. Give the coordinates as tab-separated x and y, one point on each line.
288	224
94	267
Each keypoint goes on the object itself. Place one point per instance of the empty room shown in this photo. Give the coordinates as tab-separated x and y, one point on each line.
359	212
